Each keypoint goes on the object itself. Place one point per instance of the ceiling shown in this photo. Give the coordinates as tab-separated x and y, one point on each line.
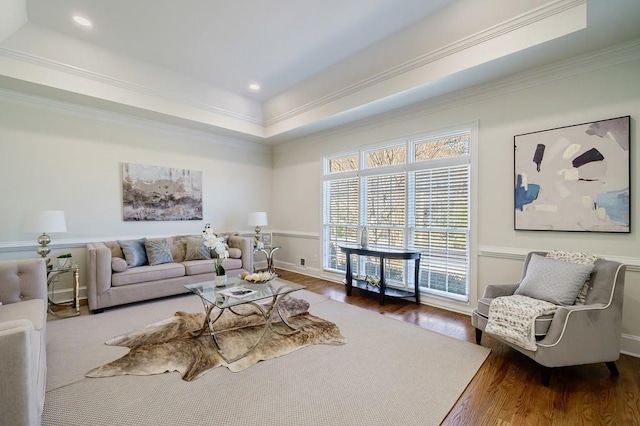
319	63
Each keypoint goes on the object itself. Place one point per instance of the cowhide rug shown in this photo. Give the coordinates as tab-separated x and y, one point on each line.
167	345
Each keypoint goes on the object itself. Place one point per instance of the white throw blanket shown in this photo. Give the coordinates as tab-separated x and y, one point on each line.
512	318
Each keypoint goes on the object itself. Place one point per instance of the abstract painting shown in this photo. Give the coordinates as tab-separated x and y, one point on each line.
574	178
160	193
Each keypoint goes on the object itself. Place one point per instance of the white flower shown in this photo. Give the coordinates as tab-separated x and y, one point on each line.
213	242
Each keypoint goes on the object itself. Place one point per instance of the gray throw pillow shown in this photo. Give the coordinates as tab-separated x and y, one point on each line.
158	252
196	250
134	252
118	264
552	280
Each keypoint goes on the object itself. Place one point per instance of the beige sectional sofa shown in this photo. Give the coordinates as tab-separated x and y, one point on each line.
23	317
109	285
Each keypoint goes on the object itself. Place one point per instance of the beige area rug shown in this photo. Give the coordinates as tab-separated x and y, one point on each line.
168	346
389	373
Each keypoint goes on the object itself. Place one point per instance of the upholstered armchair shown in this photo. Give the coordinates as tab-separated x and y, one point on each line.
23	317
574	334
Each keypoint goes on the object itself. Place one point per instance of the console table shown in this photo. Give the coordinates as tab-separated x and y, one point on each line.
382	254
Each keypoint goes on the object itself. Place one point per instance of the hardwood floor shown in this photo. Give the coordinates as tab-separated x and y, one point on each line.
507	388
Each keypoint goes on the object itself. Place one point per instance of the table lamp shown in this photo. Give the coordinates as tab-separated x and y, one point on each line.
44	221
257	219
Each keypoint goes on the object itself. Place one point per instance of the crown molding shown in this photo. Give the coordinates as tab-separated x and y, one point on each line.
592	61
83	111
535	15
123	84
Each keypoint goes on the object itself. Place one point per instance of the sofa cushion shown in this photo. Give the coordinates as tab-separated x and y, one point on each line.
554	281
118	264
196	250
134	252
197	267
542	323
159	251
147	273
34	310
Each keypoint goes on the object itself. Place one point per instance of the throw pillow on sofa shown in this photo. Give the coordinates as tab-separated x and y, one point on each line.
158	251
196	250
134	252
118	264
235	253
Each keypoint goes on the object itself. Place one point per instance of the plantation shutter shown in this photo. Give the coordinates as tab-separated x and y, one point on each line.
441	214
386	209
340	218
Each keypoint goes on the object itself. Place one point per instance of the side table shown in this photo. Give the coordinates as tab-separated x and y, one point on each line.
73	306
268	252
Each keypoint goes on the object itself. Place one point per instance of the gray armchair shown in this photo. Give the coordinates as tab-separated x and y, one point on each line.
576	334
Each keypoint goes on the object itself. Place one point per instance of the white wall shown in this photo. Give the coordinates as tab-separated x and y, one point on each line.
53	156
581	96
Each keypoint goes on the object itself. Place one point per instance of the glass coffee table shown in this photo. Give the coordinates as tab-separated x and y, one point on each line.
237	292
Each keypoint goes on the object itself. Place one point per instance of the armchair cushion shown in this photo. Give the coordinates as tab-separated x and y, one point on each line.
554	281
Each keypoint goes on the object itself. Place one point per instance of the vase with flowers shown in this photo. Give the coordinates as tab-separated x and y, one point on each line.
219	252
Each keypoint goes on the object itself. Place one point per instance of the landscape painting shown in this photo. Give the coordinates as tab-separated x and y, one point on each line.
151	193
574	178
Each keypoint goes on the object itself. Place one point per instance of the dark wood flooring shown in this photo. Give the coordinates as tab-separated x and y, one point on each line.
507	388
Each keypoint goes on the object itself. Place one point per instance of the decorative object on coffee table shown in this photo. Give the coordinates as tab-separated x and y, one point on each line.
217	245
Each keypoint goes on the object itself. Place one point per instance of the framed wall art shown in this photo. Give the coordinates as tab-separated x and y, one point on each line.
152	193
574	178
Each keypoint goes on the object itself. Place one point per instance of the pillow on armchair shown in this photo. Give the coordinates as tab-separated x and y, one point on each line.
552	280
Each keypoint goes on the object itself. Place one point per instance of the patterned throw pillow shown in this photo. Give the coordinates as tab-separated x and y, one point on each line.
553	280
158	251
582	259
196	250
134	252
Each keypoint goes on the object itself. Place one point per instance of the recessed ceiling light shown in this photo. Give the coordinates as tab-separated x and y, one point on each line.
81	20
255	87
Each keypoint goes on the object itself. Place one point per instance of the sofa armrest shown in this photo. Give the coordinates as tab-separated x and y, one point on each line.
497	290
245	244
19	403
23	279
98	272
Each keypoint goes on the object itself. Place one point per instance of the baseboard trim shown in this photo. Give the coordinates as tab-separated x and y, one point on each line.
630	345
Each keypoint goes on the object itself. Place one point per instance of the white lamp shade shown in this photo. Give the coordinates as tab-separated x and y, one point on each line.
45	221
257	219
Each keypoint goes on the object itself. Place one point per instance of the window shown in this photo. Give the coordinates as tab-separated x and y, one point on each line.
413	194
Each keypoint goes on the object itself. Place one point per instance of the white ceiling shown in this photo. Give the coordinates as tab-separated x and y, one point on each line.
319	62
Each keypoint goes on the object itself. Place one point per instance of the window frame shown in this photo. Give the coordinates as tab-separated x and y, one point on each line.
411	165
